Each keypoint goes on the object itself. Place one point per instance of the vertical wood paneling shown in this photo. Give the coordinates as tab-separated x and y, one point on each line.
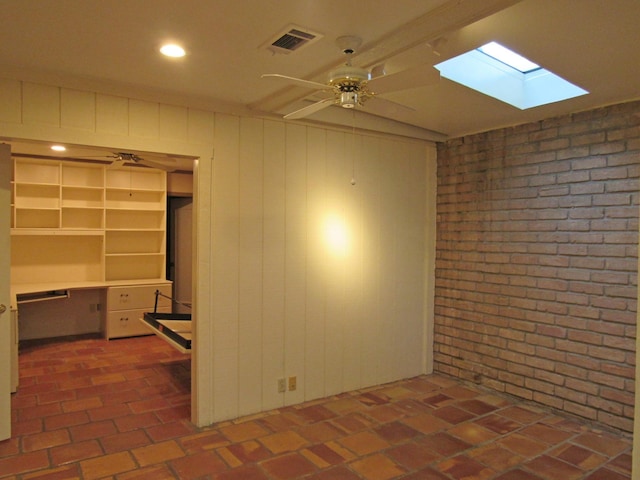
200	126
40	104
173	123
77	109
273	276
250	248
335	262
144	119
315	335
112	115
224	271
10	101
296	258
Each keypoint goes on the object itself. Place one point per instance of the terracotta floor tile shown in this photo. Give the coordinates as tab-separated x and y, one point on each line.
281	442
243	473
427	473
26	462
75	452
495	456
606	474
288	466
81	404
463	467
133	422
523	445
444	444
319	432
545	433
207	440
326	454
67	472
315	413
396	432
426	423
498	424
552	469
337	473
240	453
453	415
622	463
65	420
155	472
165	431
198	465
44	440
107	465
125	441
523	414
413	456
377	467
352	422
475	406
244	431
385	413
578	456
157	453
88	431
602	443
364	443
518	474
472	433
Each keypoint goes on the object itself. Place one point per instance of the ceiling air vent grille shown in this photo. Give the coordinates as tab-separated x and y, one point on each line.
291	39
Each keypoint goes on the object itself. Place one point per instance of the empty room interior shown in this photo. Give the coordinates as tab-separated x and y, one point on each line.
319	239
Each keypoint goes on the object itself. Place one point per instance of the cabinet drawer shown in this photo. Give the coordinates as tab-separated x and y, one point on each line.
139	296
126	323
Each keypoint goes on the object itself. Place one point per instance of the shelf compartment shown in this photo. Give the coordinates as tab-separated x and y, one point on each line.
134	241
34	171
37	218
134	267
82	197
56	258
82	175
138	178
37	196
135	199
134	219
82	218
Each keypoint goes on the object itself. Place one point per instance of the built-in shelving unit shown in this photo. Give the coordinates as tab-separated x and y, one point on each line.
87	221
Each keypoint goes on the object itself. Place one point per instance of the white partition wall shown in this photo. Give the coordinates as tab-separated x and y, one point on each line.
299	273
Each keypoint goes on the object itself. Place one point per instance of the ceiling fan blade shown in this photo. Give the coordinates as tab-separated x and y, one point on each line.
386	106
308	110
411	78
160	166
298	81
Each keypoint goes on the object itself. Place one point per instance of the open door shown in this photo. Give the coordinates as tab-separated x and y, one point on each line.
5	301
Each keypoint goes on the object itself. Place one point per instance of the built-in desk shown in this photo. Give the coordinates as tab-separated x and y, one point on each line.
125	302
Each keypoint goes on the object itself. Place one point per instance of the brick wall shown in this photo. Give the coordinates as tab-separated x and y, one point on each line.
537	257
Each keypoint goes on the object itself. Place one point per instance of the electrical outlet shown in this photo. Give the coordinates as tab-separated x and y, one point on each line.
282	386
293	383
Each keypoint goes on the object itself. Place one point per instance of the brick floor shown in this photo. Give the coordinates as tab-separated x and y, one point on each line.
93	409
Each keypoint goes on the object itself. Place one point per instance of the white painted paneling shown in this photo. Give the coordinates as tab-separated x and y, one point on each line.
11	101
224	269
40	104
112	115
250	306
144	119
173	123
273	275
315	332
200	126
77	109
296	258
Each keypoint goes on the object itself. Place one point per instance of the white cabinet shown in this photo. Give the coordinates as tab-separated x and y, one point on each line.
127	304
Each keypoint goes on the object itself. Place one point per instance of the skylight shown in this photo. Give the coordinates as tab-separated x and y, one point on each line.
499	72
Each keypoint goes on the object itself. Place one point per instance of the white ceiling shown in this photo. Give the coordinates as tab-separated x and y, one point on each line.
111	46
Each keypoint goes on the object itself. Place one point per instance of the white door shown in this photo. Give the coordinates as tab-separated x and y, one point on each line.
5	316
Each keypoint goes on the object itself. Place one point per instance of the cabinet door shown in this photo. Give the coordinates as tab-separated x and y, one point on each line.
126	323
134	297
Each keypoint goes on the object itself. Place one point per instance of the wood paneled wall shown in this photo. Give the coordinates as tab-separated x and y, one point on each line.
273	299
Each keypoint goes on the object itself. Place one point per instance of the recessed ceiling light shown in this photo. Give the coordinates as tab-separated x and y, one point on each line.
58	148
172	50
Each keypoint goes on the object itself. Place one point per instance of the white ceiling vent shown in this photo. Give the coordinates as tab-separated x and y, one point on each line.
291	39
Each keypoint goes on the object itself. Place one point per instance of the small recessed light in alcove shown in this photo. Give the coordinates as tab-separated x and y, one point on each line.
58	148
172	50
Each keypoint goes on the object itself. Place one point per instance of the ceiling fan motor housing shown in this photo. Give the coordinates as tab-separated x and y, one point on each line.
348	83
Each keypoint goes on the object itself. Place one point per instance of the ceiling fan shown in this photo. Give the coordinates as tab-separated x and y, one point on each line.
122	158
351	87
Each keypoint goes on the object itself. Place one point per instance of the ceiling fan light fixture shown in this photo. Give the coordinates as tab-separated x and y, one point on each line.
348	99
